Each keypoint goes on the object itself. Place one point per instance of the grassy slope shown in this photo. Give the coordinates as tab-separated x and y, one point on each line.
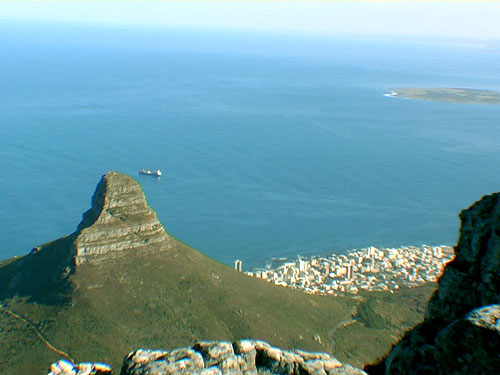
381	320
164	300
171	299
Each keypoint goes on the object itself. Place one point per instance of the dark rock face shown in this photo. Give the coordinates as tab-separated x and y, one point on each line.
471	344
118	220
460	333
225	358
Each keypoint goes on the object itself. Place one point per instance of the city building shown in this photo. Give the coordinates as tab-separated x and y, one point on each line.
238	265
360	269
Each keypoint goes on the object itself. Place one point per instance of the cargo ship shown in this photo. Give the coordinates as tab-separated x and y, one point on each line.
148	172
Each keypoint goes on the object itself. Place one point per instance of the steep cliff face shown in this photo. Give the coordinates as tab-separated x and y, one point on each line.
461	330
118	220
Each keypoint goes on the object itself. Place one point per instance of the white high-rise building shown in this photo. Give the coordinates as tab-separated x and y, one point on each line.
238	265
349	272
302	265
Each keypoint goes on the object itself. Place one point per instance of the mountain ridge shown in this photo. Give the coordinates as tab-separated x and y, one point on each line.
119	219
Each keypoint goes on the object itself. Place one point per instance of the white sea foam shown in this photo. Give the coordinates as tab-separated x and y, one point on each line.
395	94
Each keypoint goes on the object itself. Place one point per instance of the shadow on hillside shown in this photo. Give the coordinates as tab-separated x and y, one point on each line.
377	368
42	276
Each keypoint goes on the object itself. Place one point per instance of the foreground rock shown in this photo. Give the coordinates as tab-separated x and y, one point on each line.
461	333
225	358
64	367
217	358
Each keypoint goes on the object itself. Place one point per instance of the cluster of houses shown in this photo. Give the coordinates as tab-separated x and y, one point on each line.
360	269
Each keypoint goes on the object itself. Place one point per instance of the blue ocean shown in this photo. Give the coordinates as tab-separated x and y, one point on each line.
270	145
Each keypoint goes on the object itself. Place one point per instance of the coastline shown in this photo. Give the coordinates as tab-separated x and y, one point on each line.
446	94
366	269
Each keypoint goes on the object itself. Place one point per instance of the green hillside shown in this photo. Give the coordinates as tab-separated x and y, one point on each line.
172	299
381	319
161	300
120	282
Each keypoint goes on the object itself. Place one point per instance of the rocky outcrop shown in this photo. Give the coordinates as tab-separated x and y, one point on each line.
460	333
226	358
244	357
119	219
65	367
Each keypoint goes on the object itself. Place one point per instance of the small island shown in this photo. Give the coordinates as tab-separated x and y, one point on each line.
444	94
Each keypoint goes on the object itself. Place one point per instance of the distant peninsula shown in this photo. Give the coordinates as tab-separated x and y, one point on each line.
446	94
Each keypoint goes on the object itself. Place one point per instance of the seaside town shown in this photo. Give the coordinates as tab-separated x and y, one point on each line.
369	269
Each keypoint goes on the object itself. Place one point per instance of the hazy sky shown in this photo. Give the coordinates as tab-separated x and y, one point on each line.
472	19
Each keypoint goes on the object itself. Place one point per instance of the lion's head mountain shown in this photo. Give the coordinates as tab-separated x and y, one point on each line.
121	282
118	222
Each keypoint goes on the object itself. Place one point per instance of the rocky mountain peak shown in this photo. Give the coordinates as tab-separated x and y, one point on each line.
119	219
